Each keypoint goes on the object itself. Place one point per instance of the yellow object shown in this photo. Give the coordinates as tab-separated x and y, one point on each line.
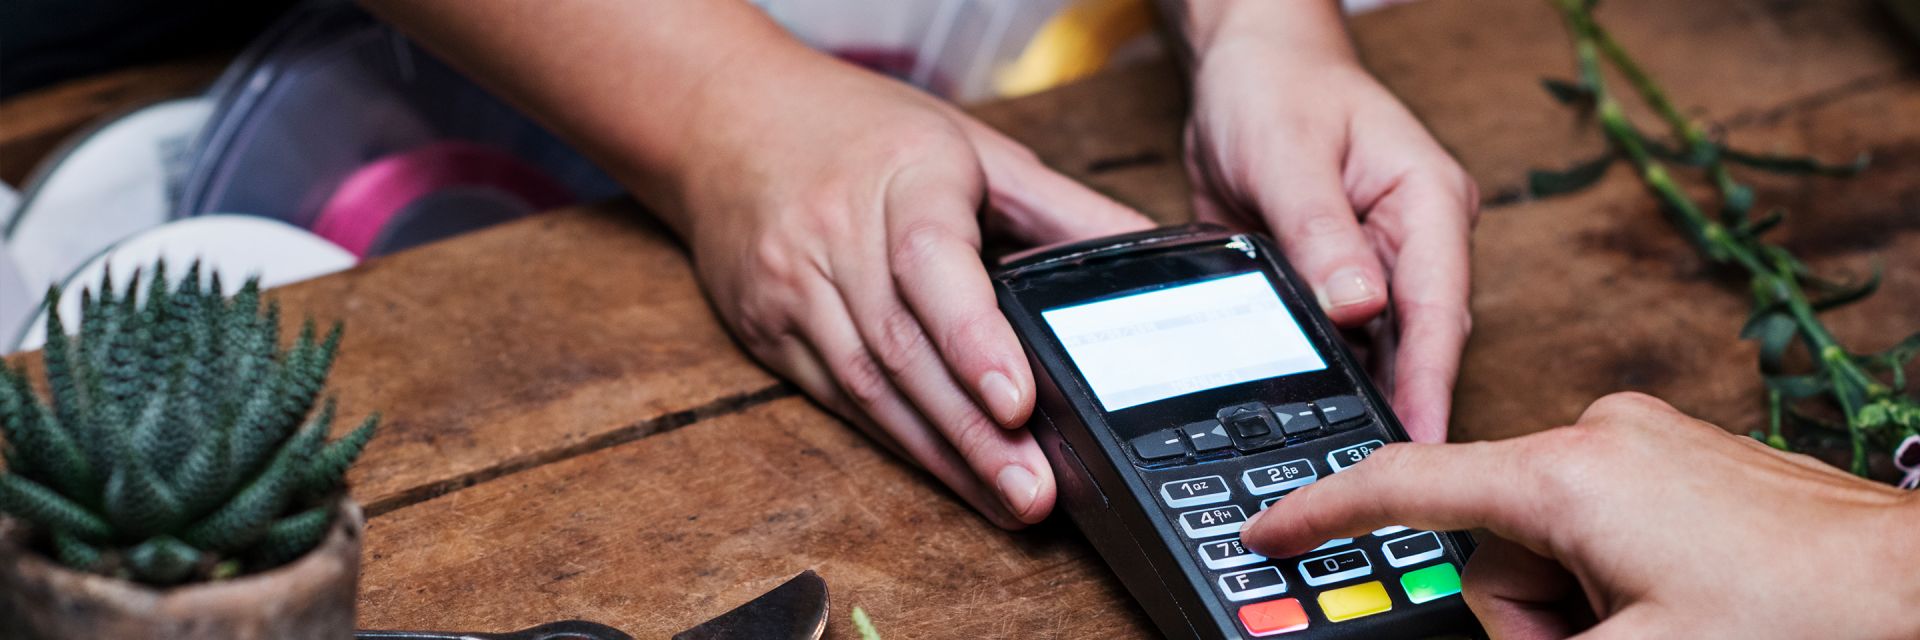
1077	41
1347	603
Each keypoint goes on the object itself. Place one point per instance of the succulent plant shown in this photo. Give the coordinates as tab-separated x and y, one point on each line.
180	441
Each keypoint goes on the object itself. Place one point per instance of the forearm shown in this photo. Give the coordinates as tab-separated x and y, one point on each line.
1314	27
623	80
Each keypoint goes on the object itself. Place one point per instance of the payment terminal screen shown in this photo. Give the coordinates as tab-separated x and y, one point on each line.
1192	337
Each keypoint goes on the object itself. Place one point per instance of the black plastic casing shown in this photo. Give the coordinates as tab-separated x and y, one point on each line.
1111	495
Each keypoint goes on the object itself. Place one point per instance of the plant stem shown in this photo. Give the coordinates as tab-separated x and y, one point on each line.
1769	266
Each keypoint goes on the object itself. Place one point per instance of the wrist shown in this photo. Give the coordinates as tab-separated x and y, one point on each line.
717	126
1314	28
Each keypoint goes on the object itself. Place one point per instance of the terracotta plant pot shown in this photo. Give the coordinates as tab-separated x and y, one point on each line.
308	599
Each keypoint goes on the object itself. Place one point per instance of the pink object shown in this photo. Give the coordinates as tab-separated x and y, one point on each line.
371	197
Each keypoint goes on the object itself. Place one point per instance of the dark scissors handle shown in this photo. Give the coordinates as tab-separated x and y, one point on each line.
563	630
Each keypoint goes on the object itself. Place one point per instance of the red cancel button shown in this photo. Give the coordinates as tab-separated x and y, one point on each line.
1273	617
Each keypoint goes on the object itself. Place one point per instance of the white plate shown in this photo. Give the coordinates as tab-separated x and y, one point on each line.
237	247
107	184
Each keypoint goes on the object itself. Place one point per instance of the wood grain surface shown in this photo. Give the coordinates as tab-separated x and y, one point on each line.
658	535
1577	297
572	434
523	344
1471	69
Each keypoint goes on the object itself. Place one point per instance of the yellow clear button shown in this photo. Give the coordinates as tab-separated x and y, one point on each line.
1347	603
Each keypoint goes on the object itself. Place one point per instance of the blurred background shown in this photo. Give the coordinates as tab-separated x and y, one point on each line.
293	139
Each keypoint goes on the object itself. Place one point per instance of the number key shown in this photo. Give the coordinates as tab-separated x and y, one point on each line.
1335	567
1226	554
1349	456
1279	477
1194	492
1217	521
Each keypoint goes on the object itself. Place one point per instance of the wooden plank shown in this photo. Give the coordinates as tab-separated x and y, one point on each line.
1728	60
1577	297
657	535
1580	296
1471	70
33	125
520	344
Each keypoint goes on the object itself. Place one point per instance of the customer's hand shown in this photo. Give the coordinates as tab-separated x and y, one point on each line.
834	215
1290	132
1663	525
835	218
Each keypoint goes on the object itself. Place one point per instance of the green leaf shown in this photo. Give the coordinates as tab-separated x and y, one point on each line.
1840	294
328	469
163	560
291	537
182	308
1546	184
1766	222
245	518
864	625
32	502
246	348
155	349
1568	92
1796	165
74	553
185	423
1896	358
148	428
41	442
1800	386
258	429
15	412
205	475
1851	398
1904	350
1738	201
1775	332
1778	442
60	359
139	503
1662	151
305	370
1872	416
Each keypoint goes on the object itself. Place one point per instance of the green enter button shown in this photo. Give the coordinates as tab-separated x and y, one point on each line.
1431	583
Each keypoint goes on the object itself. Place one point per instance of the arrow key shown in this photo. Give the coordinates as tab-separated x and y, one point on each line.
1207	435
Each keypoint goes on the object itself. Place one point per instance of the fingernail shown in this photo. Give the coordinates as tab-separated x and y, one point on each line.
1346	287
1018	487
1003	399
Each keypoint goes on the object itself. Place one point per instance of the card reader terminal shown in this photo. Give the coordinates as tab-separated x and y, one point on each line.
1186	381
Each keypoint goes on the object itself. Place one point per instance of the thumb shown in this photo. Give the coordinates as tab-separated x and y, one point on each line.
1035	205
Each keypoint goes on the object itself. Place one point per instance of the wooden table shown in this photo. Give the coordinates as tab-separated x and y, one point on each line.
572	434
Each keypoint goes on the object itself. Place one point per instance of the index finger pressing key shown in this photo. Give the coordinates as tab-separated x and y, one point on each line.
1441	487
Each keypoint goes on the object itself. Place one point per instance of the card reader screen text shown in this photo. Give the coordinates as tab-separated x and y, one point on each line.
1177	340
